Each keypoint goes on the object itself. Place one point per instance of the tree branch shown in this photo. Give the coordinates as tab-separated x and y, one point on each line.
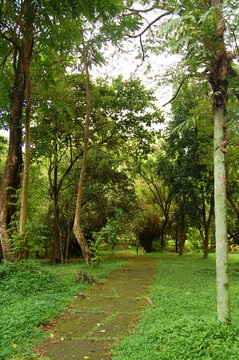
149	25
176	94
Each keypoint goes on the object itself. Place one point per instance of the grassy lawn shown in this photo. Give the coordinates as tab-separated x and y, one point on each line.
183	324
33	294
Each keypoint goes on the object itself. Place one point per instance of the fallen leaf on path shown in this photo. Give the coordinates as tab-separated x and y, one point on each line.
150	302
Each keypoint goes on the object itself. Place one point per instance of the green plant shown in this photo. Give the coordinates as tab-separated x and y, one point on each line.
156	245
97	248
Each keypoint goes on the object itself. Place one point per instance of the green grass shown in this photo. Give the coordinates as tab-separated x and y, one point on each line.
183	325
33	294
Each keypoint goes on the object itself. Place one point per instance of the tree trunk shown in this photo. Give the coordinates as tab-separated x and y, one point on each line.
56	256
11	176
57	233
162	233
57	253
181	237
68	238
26	171
206	224
223	307
206	242
77	227
219	67
23	49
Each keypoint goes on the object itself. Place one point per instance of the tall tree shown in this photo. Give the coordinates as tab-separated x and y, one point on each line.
23	22
77	221
17	30
196	29
218	74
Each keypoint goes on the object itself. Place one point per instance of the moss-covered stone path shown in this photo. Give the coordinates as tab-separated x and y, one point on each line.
107	312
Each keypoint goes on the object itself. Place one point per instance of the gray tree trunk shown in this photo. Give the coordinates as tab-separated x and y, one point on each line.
220	181
219	67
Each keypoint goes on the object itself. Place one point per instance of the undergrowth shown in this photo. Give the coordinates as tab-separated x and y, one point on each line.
33	294
183	324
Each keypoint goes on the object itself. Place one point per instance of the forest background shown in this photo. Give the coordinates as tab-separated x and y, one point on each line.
94	170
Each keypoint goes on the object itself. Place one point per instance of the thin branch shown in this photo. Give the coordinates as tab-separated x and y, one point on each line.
143	56
176	94
138	11
162	6
149	25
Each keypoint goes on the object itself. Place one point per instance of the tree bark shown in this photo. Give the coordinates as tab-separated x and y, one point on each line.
56	256
165	223
223	307
206	223
181	237
176	240
26	171
68	238
11	176
77	227
219	68
22	41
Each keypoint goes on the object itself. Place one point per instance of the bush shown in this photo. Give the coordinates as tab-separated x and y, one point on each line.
156	245
27	278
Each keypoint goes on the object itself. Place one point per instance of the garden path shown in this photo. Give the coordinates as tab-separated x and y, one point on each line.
97	320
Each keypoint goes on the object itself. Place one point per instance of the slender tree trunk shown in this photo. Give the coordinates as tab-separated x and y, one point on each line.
206	241
162	233
68	238
176	240
223	307
57	233
77	227
219	67
26	171
181	237
11	176
206	224
234	208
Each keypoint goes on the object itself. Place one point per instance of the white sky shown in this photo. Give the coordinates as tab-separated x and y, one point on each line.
127	65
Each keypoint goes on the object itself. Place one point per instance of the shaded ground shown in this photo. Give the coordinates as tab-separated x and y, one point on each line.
107	312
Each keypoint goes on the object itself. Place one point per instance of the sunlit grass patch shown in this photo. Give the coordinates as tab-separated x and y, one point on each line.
183	325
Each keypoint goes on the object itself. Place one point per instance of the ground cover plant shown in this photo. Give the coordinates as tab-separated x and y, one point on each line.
183	324
33	294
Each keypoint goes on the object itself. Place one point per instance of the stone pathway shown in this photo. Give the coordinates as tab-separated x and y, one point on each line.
110	310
